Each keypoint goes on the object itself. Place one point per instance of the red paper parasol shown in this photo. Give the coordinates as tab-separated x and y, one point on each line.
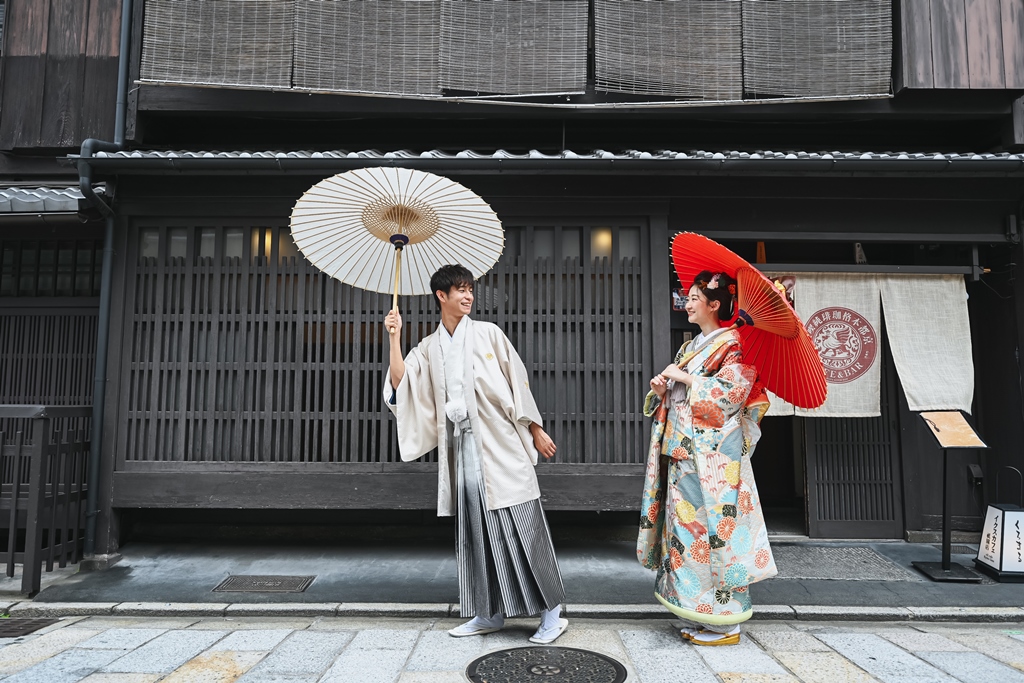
774	338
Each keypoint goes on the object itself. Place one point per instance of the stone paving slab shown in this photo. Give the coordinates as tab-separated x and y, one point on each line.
786	640
973	666
744	658
660	656
418	650
304	655
253	640
823	667
122	638
70	665
215	667
26	652
997	646
916	641
165	653
883	660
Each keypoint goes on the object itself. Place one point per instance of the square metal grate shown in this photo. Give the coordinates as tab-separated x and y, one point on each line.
13	628
959	548
264	584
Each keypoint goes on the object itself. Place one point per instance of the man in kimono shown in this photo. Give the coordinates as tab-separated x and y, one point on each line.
464	390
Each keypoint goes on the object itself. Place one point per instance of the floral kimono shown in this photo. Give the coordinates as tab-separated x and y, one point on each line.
701	525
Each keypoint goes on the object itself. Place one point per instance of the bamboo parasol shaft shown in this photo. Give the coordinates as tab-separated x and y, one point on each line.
398	278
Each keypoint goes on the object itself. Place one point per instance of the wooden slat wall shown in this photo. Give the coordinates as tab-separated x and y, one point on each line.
968	44
60	72
853	471
259	358
47	356
578	323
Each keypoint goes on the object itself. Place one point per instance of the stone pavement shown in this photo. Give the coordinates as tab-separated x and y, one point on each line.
110	649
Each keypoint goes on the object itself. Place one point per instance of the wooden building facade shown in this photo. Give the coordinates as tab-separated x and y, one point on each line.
241	378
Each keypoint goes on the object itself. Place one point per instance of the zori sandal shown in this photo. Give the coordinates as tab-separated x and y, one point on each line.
712	638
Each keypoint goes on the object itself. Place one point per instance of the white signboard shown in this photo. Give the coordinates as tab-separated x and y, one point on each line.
1002	539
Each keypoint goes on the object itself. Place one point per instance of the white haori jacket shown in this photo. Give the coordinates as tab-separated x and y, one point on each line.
500	407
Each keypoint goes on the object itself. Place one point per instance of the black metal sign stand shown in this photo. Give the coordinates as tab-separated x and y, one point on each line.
947	570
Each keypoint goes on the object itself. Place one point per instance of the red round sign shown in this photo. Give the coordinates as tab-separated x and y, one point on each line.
845	341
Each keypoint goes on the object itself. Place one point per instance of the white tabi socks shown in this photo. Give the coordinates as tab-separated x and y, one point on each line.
478	626
551	626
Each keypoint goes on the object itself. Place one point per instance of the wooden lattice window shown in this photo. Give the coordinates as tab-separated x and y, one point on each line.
238	351
54	268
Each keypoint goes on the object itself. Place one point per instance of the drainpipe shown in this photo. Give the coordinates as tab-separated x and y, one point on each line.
89	147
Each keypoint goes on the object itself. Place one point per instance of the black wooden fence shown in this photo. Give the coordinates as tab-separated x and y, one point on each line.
43	470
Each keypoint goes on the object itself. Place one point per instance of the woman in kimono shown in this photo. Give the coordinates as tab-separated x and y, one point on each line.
701	525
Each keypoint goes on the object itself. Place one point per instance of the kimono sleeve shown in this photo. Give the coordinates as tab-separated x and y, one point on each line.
653	401
413	405
723	393
512	366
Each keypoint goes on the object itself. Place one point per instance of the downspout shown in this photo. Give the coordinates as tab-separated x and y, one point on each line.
89	147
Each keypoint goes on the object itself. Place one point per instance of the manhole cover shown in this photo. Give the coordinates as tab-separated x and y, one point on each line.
264	584
12	628
544	664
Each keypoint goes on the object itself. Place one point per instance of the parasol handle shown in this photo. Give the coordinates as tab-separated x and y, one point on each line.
399	241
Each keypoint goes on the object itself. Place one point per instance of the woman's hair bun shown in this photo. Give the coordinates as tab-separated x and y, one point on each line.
718	287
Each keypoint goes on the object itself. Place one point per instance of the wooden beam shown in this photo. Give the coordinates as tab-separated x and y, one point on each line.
404	491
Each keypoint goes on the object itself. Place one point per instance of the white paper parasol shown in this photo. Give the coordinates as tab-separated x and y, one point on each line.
355	227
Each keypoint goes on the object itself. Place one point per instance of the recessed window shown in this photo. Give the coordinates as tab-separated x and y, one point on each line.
50	268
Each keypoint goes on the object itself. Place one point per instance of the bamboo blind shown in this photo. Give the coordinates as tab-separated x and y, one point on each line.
809	48
238	351
514	47
219	42
675	48
370	46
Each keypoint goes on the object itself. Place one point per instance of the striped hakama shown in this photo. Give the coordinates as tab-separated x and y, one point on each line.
506	559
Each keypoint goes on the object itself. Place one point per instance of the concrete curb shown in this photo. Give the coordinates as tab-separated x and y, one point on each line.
445	610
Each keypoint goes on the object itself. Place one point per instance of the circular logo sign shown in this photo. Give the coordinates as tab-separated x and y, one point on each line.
845	341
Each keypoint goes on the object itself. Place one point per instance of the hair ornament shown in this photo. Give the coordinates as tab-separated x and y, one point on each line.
732	289
714	281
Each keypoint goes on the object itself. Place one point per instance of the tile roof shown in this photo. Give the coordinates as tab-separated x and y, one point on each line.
566	155
40	199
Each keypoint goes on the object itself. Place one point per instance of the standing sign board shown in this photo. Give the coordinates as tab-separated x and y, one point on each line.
1001	554
952	432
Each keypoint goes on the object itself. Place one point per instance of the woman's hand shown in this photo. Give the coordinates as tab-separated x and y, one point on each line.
545	446
673	373
659	386
393	323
